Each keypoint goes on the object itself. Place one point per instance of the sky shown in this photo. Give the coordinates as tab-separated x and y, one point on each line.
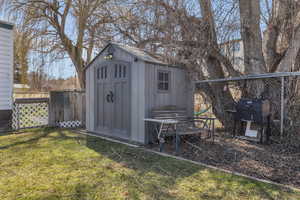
55	69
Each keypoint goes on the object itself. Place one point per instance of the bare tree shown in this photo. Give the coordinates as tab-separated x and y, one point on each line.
68	26
183	36
22	48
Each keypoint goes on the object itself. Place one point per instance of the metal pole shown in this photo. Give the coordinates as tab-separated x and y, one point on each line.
282	107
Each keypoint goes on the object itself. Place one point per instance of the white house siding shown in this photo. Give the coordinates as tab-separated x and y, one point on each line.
6	68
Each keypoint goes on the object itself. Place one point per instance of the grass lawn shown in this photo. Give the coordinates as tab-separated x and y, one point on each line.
58	164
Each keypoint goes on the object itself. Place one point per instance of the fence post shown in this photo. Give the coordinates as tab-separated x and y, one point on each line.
282	107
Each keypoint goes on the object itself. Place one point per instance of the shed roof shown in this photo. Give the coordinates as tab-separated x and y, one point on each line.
140	53
136	52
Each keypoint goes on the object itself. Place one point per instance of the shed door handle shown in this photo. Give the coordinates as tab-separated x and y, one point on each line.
111	94
108	98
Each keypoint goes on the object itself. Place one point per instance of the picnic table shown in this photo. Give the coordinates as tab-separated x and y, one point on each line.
160	127
167	127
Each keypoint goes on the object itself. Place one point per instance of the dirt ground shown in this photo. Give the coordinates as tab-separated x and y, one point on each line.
276	162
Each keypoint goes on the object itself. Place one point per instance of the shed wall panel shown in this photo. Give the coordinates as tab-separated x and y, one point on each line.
138	102
179	93
87	99
91	99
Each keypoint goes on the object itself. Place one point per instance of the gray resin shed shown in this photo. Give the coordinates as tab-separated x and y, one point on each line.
123	85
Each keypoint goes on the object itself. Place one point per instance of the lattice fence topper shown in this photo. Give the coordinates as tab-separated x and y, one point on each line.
69	124
30	114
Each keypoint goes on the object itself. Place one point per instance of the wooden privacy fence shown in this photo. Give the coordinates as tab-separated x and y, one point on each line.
67	109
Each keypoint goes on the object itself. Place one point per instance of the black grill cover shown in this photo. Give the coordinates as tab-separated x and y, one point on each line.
251	110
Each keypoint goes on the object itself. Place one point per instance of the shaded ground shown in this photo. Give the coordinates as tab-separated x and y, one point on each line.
56	164
276	162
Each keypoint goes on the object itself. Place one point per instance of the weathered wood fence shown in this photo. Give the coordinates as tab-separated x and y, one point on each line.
67	109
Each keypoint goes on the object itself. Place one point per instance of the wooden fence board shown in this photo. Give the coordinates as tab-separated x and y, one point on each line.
67	106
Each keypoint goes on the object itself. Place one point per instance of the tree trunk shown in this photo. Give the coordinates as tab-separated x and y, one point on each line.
81	78
282	36
251	35
75	54
220	96
289	61
79	66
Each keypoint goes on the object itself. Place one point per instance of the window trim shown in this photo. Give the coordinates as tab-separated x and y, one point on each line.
158	81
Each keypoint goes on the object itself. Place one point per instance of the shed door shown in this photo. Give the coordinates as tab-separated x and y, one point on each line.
113	87
104	107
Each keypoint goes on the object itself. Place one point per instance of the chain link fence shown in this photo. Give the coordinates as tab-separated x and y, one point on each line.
280	89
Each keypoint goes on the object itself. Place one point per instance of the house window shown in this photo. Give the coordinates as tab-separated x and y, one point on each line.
163	81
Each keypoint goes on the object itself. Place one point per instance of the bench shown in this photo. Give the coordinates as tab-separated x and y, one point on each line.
186	125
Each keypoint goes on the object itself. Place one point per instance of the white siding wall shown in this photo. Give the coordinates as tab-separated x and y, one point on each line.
6	68
137	98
